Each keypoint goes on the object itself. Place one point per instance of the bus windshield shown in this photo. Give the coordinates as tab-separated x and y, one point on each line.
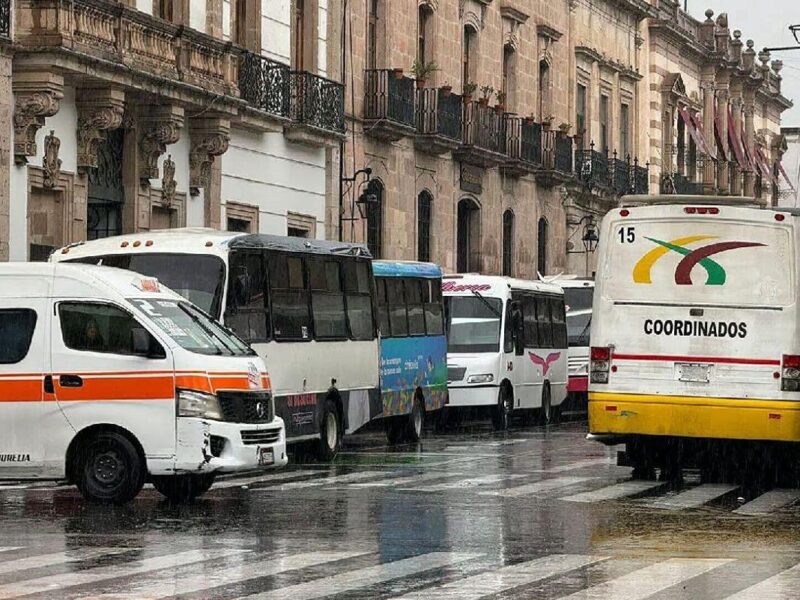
578	303
473	323
197	277
192	329
578	298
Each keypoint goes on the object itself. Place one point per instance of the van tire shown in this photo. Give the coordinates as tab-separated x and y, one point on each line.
183	488
330	432
415	421
109	469
501	413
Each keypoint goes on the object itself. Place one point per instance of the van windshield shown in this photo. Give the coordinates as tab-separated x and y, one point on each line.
473	323
191	328
197	277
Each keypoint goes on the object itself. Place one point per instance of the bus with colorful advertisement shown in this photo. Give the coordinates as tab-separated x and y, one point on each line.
507	347
695	353
305	306
413	347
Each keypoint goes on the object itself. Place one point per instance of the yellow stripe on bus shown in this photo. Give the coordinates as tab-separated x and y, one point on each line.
694	416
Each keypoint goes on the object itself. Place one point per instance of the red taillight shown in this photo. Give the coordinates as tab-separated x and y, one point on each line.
701	210
601	353
690	210
780	217
790	374
624	212
791	361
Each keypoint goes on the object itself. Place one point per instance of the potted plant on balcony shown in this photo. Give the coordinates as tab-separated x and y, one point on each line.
500	107
469	89
398	73
487	91
447	89
547	122
422	71
563	129
530	119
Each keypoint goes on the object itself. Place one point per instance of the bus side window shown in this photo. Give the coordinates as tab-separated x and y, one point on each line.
559	322
327	299
415	304
545	322
434	324
398	318
359	300
508	331
290	311
530	326
247	311
383	309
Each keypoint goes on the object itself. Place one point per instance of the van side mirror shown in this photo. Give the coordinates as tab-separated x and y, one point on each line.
145	344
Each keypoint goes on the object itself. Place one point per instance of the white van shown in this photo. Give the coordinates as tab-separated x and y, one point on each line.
506	346
108	379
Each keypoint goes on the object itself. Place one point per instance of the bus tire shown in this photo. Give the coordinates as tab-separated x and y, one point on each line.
416	420
183	488
330	433
501	413
109	469
546	412
395	429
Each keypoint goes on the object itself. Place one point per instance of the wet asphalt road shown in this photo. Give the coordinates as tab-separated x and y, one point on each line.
533	513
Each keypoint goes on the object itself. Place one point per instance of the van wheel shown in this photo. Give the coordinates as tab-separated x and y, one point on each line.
330	432
109	469
501	414
183	488
415	421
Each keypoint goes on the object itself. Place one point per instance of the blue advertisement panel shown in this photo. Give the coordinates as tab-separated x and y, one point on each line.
410	363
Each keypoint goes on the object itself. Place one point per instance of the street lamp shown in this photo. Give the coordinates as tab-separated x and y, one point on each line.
589	236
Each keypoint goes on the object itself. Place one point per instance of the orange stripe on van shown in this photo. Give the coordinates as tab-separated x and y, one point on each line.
193	382
21	390
117	388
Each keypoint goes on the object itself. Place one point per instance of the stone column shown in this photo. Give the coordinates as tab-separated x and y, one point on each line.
6	116
707	86
99	110
749	139
209	139
736	110
37	95
668	136
723	94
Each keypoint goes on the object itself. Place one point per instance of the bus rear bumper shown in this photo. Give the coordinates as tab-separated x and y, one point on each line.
614	414
473	396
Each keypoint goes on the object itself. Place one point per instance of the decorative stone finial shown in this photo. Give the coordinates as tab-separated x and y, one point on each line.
763	56
750	44
777	65
709	14
737	34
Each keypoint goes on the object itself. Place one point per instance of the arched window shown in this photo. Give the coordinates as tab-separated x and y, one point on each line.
424	202
541	258
375	220
508	243
468	256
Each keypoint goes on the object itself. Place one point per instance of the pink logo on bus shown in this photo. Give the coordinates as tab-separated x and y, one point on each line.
451	286
545	363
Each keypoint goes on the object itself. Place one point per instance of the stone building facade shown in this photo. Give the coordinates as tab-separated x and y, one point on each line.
132	115
598	100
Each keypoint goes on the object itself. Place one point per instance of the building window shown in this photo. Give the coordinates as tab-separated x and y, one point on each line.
541	241
468	51
508	87
424	202
544	90
174	11
468	257
624	132
295	232
424	54
603	123
375	220
580	114
304	32
681	145
508	243
238	225
372	35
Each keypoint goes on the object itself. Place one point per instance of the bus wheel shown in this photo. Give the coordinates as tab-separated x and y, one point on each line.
395	429
501	415
330	432
109	469
546	412
183	488
416	420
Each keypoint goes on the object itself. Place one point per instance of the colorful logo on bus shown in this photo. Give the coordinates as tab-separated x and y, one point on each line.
545	363
715	273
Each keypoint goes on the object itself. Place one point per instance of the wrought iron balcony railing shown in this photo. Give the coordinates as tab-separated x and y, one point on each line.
482	127
523	140
317	102
675	183
388	97
264	84
439	113
557	152
592	167
640	178
620	175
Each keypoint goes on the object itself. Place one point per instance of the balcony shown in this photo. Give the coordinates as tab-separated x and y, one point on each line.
439	119
593	169
5	19
523	146
556	159
388	105
482	140
317	109
680	184
264	84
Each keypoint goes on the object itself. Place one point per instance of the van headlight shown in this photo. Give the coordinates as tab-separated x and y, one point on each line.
484	378
192	403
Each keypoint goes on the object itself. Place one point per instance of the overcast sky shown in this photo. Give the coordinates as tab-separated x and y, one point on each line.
767	23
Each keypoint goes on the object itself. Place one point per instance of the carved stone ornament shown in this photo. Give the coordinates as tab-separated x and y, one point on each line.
159	129
168	184
98	111
30	111
51	164
201	157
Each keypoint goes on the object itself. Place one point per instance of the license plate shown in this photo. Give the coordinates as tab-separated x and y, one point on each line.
693	372
265	456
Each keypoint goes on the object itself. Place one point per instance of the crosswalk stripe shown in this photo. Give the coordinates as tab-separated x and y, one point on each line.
778	587
466	483
173	584
697	496
648	581
581	464
505	578
612	492
396	481
535	488
54	583
331	480
229	483
57	558
768	502
10	548
360	578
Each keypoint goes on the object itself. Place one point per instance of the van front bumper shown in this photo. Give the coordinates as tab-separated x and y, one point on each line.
206	446
473	396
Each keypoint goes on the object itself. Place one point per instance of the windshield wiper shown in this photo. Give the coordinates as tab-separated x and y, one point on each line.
488	304
585	329
209	332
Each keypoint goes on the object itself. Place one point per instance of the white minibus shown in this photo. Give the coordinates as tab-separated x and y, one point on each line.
695	343
578	292
306	307
506	346
108	379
